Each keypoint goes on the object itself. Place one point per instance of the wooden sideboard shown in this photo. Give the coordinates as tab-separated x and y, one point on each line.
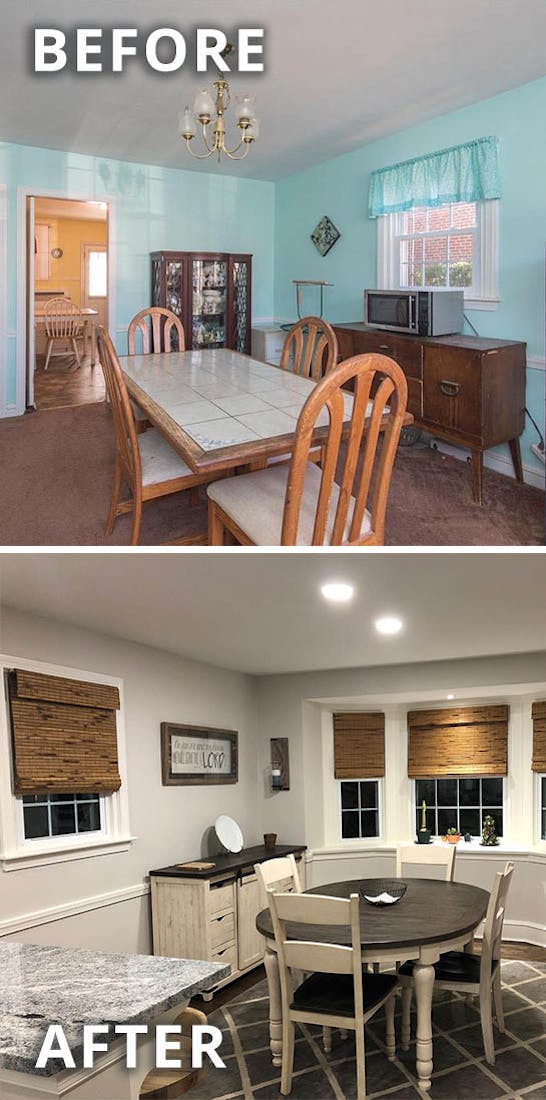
212	914
463	389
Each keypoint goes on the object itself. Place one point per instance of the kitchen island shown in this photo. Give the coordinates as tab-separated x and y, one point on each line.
53	985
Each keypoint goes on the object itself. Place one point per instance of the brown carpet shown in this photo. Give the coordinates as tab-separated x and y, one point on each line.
57	469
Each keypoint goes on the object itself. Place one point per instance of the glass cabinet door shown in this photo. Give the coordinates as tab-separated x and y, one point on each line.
209	303
241	298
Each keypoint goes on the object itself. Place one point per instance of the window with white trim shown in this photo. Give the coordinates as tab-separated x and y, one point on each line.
460	803
360	810
47	827
452	246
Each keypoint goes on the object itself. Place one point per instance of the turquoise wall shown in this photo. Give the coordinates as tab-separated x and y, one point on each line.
339	188
155	208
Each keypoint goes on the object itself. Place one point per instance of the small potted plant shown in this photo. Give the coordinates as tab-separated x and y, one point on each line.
489	832
452	835
423	834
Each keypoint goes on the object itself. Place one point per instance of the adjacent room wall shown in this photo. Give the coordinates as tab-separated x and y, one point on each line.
170	824
339	188
154	208
69	234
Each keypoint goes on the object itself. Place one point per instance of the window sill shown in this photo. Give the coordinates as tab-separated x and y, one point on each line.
482	303
21	859
472	848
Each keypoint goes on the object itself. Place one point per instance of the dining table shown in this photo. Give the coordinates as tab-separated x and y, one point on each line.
89	322
221	409
431	917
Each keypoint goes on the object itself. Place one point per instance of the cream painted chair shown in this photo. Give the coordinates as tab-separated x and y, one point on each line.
280	875
464	972
426	855
338	991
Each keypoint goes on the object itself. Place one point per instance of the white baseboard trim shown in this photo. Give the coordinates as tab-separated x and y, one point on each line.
536	362
532	475
524	932
11	925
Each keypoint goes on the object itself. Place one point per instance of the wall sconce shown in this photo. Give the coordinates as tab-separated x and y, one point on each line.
280	769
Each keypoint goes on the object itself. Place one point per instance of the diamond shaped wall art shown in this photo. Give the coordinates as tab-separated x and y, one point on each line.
325	235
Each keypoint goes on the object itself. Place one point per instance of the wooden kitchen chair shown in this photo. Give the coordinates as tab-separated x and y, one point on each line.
301	503
310	348
168	1084
280	875
464	972
338	992
63	326
159	330
424	855
147	464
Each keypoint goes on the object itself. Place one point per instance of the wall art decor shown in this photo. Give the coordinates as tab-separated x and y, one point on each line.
198	754
325	235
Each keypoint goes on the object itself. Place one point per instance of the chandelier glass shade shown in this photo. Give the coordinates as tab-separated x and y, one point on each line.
208	115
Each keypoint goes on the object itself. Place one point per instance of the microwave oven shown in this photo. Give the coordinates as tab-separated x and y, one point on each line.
422	312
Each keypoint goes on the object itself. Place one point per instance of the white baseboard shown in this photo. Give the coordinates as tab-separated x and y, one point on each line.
11	925
532	475
523	932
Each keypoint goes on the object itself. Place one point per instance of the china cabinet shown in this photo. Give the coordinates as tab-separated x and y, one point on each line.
210	292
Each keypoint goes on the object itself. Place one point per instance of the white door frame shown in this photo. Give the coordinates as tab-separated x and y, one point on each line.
23	193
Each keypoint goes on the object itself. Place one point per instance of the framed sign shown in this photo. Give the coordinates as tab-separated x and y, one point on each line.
198	754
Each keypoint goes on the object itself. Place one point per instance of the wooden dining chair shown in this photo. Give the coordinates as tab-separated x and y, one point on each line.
63	326
147	464
302	504
169	1084
153	330
279	875
426	855
464	972
159	330
310	348
338	992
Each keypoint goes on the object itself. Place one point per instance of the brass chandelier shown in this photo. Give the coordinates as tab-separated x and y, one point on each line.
205	105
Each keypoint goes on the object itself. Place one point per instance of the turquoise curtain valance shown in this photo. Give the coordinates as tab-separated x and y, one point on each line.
464	173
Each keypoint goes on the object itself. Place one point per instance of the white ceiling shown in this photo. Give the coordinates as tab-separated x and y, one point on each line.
262	613
337	74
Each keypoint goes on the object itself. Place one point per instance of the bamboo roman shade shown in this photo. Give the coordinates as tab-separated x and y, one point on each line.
359	745
64	734
457	742
539	736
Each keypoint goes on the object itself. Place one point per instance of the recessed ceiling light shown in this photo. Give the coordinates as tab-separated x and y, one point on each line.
451	696
337	591
388	624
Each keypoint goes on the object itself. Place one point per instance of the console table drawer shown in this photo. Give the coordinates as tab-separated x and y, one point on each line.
407	352
222	931
221	899
452	390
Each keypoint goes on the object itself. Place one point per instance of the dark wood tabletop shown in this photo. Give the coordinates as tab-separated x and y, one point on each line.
429	911
229	863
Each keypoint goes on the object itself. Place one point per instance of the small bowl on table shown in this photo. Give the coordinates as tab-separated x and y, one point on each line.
385	892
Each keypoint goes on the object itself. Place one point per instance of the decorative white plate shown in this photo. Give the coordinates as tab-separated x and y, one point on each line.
229	833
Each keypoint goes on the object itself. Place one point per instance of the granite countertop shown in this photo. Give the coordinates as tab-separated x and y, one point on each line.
229	863
48	985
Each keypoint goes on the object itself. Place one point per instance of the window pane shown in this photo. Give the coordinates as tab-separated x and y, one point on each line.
60	797
368	794
349	796
469	792
460	260
88	817
430	819
435	261
426	789
63	819
470	822
36	821
544	824
464	214
350	824
492	792
497	818
32	799
96	274
447	792
439	217
86	797
368	820
447	819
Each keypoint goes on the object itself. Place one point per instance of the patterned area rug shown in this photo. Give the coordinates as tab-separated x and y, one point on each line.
460	1069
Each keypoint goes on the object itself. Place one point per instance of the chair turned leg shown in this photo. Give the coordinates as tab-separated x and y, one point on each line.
391	1040
114	501
327	1039
360	1064
407	993
288	1036
487	1026
48	353
76	351
497	999
216	527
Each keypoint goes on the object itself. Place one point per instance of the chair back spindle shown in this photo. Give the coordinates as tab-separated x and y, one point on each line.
62	319
160	330
310	348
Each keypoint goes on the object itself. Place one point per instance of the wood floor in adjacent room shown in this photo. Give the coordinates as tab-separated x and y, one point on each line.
57	469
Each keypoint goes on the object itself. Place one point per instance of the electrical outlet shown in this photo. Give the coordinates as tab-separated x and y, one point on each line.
539	452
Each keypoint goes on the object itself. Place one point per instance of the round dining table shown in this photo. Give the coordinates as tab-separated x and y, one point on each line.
430	918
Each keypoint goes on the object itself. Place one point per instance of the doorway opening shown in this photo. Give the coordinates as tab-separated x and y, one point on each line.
67	299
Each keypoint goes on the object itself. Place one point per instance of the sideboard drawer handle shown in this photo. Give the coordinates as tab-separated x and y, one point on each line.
450	389
384	347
